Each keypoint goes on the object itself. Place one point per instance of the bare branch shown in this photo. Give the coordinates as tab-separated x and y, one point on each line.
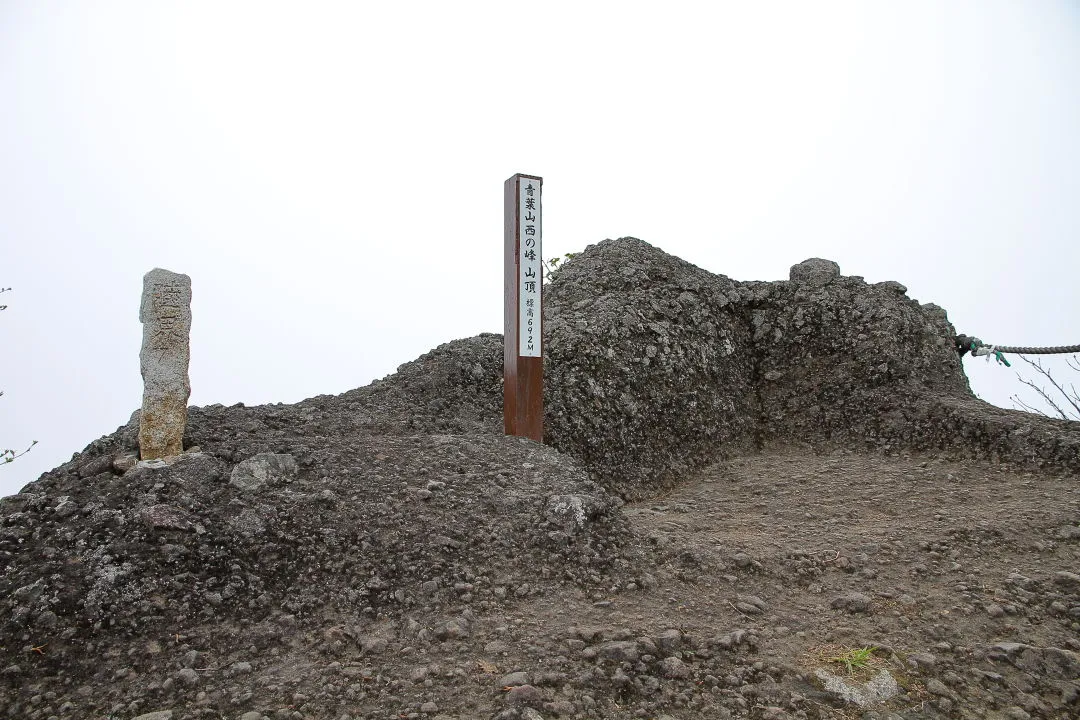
1046	398
1064	393
1027	408
1071	399
7	456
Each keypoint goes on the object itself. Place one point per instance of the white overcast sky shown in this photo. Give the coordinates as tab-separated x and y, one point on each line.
330	174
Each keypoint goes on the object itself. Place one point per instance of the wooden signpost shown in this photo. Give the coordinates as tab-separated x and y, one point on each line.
523	348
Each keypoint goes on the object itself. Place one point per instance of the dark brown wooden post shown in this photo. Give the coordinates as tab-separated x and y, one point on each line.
523	348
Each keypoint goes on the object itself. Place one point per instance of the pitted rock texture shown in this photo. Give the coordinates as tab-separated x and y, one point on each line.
838	360
649	367
353	540
655	367
388	552
264	469
165	313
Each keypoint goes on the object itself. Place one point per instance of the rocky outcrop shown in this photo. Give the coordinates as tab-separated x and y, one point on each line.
650	368
655	366
319	548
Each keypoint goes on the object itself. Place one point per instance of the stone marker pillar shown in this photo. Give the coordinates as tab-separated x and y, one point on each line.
166	317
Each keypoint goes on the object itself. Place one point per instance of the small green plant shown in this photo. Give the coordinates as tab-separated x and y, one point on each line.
552	264
855	659
7	456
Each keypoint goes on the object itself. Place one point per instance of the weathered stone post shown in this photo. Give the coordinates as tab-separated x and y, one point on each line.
165	313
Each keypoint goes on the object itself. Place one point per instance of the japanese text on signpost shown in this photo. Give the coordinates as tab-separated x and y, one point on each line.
523	346
529	316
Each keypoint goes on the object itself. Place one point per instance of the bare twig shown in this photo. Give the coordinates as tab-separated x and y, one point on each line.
1058	412
7	456
1061	401
1028	408
737	609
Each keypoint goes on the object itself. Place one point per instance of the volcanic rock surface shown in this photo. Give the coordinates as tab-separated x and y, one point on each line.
744	485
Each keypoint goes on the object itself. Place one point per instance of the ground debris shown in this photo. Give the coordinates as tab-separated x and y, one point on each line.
736	476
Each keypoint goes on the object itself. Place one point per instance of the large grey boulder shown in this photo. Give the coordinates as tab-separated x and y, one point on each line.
264	469
814	272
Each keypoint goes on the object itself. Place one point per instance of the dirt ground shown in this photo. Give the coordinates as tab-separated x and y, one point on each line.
962	578
388	553
951	588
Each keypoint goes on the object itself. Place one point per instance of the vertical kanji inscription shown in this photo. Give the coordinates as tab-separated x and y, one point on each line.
165	313
523	344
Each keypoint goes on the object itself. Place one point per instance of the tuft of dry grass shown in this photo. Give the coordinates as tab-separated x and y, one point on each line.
859	664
